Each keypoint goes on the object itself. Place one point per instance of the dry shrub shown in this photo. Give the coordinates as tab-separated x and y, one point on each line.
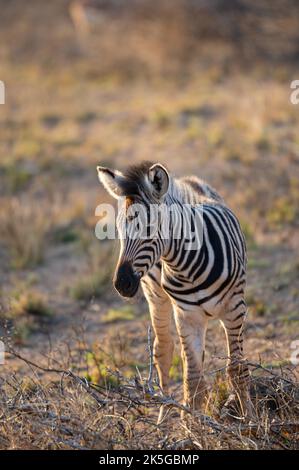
24	311
71	413
178	30
140	37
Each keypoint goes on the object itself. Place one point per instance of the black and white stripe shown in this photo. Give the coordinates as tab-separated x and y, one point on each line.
197	284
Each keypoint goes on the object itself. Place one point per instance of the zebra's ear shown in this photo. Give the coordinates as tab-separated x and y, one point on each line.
110	179
159	179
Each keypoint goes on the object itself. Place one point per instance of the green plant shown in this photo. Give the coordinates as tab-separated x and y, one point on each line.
16	176
175	372
125	313
29	303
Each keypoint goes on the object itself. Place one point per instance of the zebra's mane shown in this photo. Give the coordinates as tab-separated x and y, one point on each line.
194	187
189	189
134	181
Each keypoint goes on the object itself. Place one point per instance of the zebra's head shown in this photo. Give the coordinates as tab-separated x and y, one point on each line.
139	189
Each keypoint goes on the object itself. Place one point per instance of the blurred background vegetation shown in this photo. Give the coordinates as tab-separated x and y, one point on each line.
201	86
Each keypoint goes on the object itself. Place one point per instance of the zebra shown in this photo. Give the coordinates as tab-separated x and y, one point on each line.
194	286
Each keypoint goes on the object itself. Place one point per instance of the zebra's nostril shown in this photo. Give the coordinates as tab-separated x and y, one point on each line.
126	281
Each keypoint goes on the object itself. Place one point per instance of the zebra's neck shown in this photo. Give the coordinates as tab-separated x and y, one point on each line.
182	198
189	197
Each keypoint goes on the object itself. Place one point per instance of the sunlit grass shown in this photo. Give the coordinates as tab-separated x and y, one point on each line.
96	282
26	308
114	315
24	225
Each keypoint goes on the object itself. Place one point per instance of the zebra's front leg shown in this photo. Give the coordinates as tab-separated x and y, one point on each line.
237	368
161	316
191	327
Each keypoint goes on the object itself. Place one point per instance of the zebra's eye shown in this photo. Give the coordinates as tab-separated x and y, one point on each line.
131	217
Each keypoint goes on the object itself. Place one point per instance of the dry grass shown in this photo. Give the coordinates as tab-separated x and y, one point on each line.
24	226
24	310
70	413
98	279
200	103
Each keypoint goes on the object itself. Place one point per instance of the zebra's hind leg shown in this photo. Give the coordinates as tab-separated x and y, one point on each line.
191	327
160	309
237	368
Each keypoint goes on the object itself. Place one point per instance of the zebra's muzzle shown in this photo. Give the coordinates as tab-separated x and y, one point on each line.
126	281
